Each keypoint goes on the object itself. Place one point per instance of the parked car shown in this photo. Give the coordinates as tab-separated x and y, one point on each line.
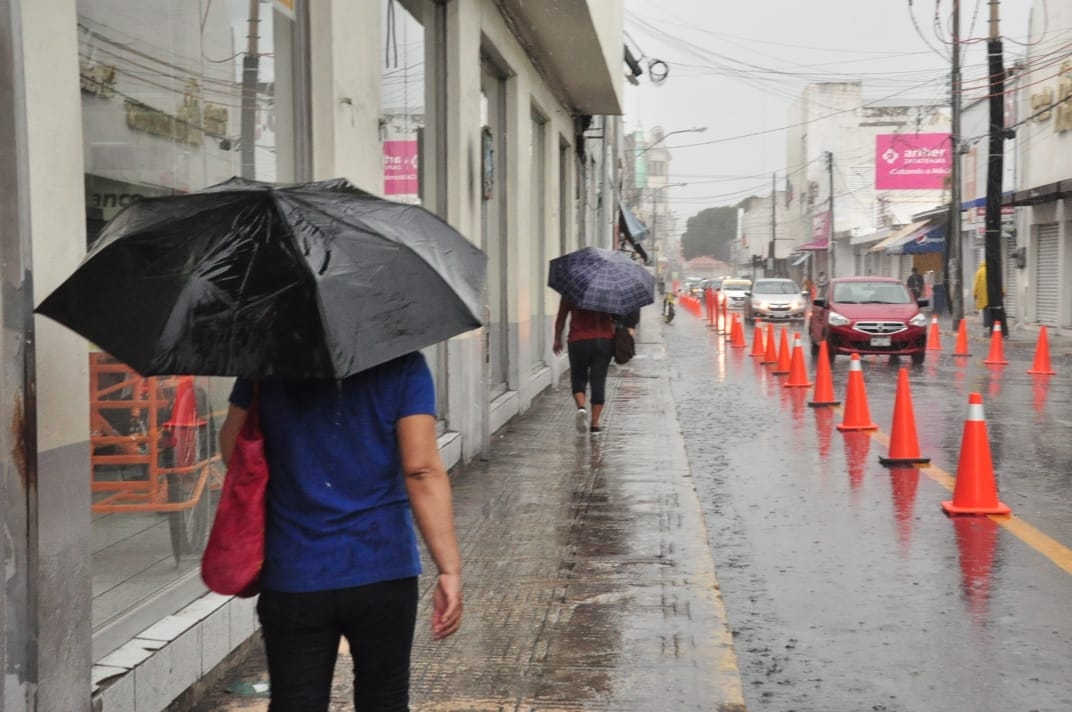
735	291
869	315
774	299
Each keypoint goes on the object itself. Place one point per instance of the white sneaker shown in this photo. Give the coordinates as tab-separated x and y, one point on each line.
582	421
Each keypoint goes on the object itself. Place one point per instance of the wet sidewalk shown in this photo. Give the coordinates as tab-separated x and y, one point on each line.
589	582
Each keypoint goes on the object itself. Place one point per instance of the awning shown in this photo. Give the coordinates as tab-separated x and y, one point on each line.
918	236
820	244
630	225
870	237
900	236
931	241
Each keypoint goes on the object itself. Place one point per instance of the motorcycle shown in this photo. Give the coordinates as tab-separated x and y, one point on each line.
668	308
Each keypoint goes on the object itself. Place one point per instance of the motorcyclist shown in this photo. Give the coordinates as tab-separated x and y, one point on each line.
668	307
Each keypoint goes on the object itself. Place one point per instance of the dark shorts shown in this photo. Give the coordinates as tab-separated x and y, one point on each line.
589	362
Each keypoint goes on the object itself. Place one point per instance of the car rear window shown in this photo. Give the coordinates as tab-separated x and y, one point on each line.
735	284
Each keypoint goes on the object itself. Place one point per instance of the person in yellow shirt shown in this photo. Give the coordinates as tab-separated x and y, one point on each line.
982	301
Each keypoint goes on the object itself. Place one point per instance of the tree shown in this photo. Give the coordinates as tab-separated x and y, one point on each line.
710	232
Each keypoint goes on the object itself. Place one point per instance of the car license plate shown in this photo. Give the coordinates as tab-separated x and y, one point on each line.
880	341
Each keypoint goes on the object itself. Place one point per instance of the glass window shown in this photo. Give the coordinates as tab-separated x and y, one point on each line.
407	151
176	96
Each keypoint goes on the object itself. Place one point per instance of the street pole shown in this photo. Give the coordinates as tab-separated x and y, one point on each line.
995	294
773	220
953	268
830	244
248	141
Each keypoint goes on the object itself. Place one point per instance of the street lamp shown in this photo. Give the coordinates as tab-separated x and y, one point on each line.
653	144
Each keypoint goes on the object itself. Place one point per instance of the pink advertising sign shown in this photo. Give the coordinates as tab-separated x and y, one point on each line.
912	161
400	168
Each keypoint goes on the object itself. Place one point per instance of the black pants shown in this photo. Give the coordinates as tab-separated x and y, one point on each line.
589	361
301	637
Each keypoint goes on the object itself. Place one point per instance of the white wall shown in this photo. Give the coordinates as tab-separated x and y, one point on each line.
1047	152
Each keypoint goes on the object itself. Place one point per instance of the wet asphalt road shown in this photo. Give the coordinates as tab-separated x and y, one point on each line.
846	587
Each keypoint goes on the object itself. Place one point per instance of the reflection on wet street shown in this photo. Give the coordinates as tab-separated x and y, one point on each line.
846	585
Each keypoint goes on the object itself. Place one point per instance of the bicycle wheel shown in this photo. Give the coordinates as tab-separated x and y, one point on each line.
189	527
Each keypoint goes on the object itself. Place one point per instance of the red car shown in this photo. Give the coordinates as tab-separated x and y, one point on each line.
868	315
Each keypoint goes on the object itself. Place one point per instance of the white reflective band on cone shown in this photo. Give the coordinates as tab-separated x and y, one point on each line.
975	411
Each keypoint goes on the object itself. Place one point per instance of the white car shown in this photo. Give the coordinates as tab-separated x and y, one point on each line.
735	291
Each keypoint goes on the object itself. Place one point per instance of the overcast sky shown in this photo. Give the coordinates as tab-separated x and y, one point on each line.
721	55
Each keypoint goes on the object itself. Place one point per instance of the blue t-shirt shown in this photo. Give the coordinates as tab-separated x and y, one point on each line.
338	510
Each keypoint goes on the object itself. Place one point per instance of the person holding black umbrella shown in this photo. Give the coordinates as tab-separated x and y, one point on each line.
590	346
354	463
318	298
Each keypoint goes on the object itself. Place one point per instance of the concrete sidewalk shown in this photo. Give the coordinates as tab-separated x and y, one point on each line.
589	581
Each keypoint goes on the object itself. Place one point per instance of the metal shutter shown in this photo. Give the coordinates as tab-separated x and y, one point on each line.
1047	286
1010	281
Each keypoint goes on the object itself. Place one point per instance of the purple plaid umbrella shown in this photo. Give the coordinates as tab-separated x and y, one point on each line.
602	280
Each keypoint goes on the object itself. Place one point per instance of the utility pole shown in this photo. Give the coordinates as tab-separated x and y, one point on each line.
953	266
772	253
830	244
250	65
995	293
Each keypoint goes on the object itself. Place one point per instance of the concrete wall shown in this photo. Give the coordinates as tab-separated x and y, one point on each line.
59	546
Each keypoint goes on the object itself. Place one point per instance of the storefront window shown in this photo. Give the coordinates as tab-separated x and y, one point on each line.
176	96
407	151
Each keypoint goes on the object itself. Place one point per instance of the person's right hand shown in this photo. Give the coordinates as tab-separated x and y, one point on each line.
557	347
447	606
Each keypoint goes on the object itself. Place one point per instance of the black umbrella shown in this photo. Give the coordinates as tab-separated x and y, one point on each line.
320	280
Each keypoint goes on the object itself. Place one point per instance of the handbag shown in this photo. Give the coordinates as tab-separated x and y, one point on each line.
624	346
234	554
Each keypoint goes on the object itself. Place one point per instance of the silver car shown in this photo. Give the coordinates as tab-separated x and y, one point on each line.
736	291
774	299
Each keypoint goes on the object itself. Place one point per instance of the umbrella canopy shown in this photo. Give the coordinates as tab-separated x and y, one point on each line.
602	280
320	280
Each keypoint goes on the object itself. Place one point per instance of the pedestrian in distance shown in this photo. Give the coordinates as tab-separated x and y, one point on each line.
821	280
915	283
982	299
590	346
354	464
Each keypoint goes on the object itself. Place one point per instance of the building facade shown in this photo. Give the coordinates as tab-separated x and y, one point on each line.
485	112
1043	238
845	175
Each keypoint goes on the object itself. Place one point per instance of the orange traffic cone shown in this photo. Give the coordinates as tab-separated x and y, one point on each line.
904	447
770	355
757	343
781	367
934	339
962	340
1041	366
798	372
857	414
824	382
737	334
997	347
975	491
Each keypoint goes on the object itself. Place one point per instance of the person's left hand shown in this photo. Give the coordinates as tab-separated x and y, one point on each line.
557	347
